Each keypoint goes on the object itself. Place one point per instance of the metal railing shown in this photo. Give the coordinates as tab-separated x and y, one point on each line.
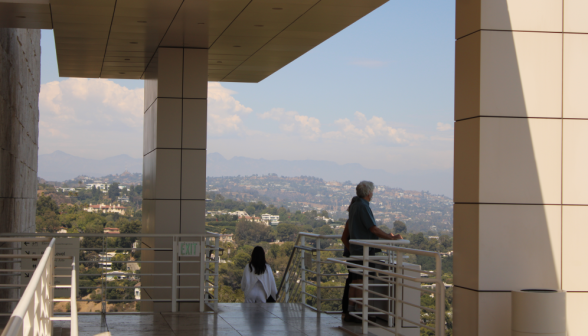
33	313
305	267
189	278
400	278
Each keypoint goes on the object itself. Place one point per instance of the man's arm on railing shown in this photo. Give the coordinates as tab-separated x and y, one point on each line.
381	234
345	236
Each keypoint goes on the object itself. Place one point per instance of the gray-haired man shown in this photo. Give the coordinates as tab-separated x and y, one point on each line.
362	225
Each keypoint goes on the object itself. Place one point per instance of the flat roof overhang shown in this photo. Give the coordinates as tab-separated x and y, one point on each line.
248	40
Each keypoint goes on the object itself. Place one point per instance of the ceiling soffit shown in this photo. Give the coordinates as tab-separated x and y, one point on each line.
248	40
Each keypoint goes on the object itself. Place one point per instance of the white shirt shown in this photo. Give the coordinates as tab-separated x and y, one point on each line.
267	280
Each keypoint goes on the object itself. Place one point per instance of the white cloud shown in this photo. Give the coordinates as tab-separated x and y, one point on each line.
367	131
368	63
292	122
91	118
444	127
224	111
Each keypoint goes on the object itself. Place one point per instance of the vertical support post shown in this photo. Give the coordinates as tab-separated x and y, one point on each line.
202	288
74	299
103	284
303	271
287	282
216	272
398	289
51	281
390	289
439	298
318	277
174	292
364	291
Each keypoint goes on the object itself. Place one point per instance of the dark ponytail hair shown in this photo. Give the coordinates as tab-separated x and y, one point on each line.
257	262
353	200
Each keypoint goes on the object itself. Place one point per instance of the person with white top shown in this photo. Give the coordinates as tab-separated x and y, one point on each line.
258	281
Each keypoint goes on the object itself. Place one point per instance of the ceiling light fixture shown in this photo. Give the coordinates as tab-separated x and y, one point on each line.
200	22
141	21
134	42
127	59
258	26
122	73
21	17
219	61
277	8
236	46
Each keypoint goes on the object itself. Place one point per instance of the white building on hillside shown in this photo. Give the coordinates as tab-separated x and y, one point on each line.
271	219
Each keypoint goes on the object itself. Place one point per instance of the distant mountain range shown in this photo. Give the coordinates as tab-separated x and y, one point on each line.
60	166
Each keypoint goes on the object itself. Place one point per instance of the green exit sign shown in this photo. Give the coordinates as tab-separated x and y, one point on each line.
189	249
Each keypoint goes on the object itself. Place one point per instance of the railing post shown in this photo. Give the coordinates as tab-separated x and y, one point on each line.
318	277
216	272
364	299
302	271
398	293
390	290
74	299
202	265
174	292
439	298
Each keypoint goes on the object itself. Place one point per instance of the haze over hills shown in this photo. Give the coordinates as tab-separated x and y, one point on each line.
60	166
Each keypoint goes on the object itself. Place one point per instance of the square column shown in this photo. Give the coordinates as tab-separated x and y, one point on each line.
520	184
174	163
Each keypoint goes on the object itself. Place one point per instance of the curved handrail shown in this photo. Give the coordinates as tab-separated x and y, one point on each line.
15	324
300	234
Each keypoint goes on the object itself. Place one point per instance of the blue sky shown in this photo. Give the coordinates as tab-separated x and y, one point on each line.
379	93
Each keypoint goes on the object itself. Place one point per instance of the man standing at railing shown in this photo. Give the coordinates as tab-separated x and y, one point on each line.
362	225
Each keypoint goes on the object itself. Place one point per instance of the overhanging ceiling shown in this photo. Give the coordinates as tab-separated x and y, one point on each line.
248	40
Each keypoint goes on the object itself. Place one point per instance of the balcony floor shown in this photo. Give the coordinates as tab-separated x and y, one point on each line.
233	319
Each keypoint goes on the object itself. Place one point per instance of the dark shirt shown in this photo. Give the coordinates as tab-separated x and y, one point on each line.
361	219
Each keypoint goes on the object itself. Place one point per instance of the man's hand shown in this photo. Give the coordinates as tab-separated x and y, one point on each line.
396	237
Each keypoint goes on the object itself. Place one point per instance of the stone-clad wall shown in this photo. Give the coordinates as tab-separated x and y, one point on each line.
20	75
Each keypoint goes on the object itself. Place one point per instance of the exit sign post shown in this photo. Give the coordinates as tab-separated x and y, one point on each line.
188	249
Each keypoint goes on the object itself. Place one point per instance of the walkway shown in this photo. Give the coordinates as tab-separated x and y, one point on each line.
233	319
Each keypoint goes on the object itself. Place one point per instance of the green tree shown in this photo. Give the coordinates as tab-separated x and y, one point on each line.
399	227
46	204
287	232
113	191
252	232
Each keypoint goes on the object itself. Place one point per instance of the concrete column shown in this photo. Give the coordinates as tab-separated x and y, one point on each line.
20	74
174	162
521	114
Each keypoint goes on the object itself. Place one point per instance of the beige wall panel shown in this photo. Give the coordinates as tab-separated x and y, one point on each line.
194	123
467	76
575	161
195	73
575	76
465	312
466	169
521	74
466	245
520	160
520	247
193	213
149	175
149	129
574	233
528	15
169	72
194	174
576	310
167	175
160	211
169	123
575	16
494	313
